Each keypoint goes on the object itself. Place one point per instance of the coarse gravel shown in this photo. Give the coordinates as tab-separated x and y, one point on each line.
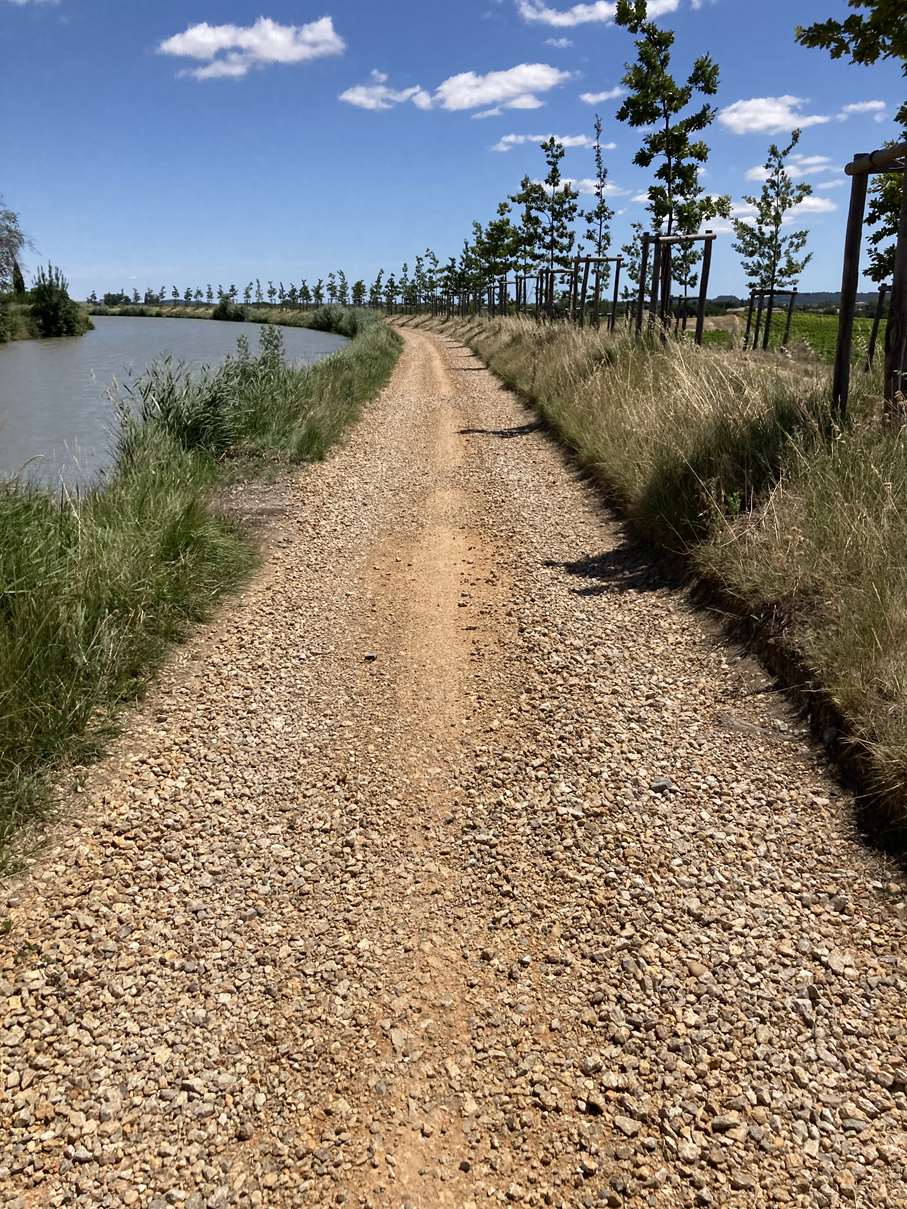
460	862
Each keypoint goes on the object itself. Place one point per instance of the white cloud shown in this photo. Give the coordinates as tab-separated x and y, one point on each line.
835	184
494	112
811	205
515	88
378	95
559	43
769	115
641	198
22	3
878	110
589	185
611	94
798	166
864	107
244	47
509	141
584	14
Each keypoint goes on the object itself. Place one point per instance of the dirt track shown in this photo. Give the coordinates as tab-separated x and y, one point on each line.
457	864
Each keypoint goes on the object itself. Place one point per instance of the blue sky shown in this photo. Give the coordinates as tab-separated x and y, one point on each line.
188	141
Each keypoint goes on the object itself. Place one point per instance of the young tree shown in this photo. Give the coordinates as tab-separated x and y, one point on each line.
497	247
93	297
358	293
247	294
549	209
187	294
332	288
598	233
135	296
318	292
18	279
259	297
343	288
632	266
174	294
390	292
655	102
772	261
209	294
272	292
198	294
882	215
305	294
529	198
376	290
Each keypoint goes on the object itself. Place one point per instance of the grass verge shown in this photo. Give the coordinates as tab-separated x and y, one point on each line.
94	588
734	463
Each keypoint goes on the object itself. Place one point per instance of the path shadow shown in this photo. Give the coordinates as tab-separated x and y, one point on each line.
629	567
505	434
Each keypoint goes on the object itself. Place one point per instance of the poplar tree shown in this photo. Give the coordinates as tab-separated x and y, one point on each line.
332	288
376	290
305	294
598	232
343	289
318	292
771	260
358	293
529	199
656	102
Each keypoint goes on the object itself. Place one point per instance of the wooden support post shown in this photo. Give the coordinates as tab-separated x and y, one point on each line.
703	287
587	267
849	279
749	319
538	296
790	315
895	380
876	322
643	267
574	289
757	331
768	318
656	282
664	306
612	319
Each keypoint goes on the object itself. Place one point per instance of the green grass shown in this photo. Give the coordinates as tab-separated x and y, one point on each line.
94	587
818	334
734	463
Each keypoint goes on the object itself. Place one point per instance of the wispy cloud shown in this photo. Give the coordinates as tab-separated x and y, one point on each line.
378	95
601	11
769	115
589	185
798	166
509	141
559	43
610	94
877	109
516	88
231	51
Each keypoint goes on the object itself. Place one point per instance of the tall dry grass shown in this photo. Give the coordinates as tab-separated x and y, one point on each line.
736	463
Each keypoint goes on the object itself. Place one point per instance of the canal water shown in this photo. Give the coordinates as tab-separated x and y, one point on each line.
56	417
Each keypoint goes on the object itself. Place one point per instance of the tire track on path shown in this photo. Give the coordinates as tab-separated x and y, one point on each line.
433	874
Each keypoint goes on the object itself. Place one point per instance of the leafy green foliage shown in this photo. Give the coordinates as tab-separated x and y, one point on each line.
655	102
880	34
598	217
53	311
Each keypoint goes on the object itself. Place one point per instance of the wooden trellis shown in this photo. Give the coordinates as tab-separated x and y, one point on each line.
660	298
757	299
888	159
876	321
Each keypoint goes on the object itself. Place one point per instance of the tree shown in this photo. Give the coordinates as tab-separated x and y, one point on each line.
598	232
343	288
175	294
358	293
655	102
772	261
209	294
93	297
390	292
529	198
135	296
272	292
12	243
305	294
549	209
632	266
18	279
332	288
497	247
52	309
882	215
376	290
318	292
259	297
247	294
187	294
881	34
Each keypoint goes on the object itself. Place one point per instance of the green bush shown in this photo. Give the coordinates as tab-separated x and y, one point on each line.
53	311
228	310
5	329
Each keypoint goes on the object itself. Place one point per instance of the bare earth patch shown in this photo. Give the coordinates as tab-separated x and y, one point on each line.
457	864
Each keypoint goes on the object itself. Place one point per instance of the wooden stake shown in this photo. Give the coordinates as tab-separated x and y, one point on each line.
790	315
850	276
703	287
612	320
876	321
895	382
643	267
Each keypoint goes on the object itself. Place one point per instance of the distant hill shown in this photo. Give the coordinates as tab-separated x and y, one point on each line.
818	298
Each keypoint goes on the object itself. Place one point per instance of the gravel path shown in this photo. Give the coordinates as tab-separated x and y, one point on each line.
457	864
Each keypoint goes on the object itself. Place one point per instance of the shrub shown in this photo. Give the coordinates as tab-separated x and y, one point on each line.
228	310
53	311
